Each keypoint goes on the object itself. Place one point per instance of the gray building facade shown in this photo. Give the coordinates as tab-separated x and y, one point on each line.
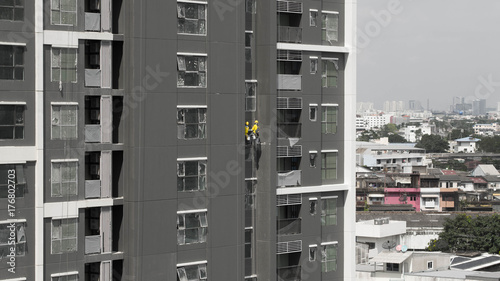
123	143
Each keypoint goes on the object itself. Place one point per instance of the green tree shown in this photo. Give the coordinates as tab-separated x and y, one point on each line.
489	144
396	138
467	233
368	135
433	144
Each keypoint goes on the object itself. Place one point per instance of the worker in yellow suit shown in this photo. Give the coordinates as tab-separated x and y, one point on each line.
255	128
247	128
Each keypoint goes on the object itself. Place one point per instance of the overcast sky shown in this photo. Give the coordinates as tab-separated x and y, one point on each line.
428	49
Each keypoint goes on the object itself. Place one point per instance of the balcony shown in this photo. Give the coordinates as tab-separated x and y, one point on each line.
447	204
430	204
92	133
92	22
291	178
92	189
289	130
289	273
289	82
92	78
289	226
289	34
93	244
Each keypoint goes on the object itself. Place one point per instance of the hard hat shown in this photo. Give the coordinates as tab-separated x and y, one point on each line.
256	121
246	123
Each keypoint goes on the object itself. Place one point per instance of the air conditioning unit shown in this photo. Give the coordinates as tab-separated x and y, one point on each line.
378	222
385	221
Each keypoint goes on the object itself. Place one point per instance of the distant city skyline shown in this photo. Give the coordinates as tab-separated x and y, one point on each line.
436	50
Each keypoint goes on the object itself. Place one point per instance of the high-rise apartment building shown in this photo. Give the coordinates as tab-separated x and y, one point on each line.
122	140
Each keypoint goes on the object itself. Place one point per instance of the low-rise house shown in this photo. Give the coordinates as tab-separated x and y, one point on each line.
399	158
375	233
466	145
485	170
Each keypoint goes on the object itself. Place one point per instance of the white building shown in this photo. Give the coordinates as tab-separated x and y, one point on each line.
410	132
393	157
486	129
465	145
376	121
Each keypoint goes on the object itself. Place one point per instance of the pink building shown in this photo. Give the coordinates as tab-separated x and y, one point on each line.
403	195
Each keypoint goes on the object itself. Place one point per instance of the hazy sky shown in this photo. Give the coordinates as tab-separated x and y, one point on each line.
428	49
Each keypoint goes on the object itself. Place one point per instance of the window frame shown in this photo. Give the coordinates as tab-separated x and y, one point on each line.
200	72
182	125
313	252
329	70
16	63
63	66
60	163
313	108
202	227
329	217
327	166
199	20
20	229
69	276
19	178
314	62
52	10
201	176
199	268
250	99
430	265
329	120
18	107
15	7
56	123
325	30
327	259
313	17
62	236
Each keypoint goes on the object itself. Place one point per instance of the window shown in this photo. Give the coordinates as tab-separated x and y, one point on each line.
64	236
64	179
248	46
12	122
329	119
191	71
250	6
392	267
330	27
313	110
12	10
64	65
191	17
11	62
192	227
16	230
430	265
330	73
312	158
329	257
196	272
313	17
314	65
63	12
313	203
312	252
72	277
250	96
64	122
13	180
248	242
191	175
329	165
329	211
249	194
191	123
